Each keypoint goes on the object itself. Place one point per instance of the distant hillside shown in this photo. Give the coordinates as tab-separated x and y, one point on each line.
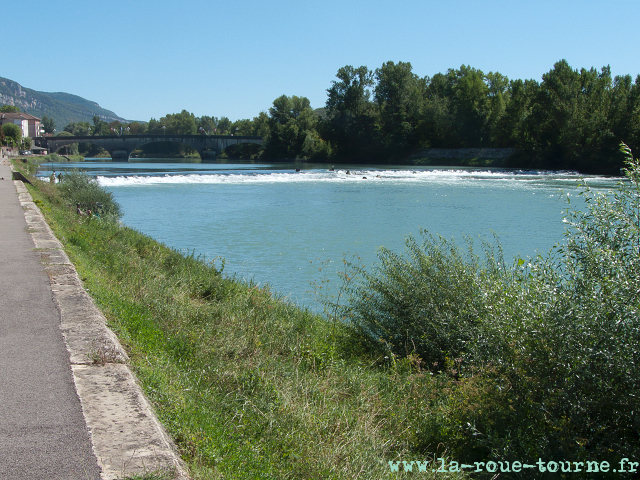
64	108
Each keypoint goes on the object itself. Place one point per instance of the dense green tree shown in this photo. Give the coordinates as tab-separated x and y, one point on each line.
137	128
9	109
624	113
100	127
224	126
511	129
48	123
260	125
570	121
469	93
207	125
399	95
293	130
154	127
78	128
183	123
82	129
12	134
243	127
351	116
496	104
437	124
118	128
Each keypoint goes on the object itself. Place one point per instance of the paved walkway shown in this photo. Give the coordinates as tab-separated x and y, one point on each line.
62	416
43	434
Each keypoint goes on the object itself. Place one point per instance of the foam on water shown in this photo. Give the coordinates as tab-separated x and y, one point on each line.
339	176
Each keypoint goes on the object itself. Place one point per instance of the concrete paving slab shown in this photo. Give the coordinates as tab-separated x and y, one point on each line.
113	402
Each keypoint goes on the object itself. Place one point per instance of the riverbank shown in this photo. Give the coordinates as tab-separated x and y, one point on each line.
247	385
437	354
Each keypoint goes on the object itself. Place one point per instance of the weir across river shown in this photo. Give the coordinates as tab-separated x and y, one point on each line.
121	146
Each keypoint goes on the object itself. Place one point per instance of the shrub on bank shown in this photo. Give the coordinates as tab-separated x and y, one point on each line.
544	353
80	189
429	303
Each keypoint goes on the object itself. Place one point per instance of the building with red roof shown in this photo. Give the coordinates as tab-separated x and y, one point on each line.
31	126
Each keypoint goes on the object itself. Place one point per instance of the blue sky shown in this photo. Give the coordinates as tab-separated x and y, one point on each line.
144	59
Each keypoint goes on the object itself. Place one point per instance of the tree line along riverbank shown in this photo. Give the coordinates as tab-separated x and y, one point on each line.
573	119
437	353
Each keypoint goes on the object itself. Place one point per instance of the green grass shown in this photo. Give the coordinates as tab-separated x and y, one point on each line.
248	385
54	157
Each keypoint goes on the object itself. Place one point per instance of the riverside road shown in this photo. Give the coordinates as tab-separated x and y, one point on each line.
43	434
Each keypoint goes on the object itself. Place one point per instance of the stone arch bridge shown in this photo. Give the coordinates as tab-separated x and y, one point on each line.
121	146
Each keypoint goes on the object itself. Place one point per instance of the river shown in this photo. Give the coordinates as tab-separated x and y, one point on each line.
277	226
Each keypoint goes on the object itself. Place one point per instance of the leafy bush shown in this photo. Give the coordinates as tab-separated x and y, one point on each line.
79	188
557	340
12	134
429	304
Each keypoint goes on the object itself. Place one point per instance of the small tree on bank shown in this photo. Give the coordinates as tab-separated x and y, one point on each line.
12	133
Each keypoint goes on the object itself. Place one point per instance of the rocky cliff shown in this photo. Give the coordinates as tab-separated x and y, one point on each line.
64	108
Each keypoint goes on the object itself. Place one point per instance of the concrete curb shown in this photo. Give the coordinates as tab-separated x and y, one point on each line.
126	436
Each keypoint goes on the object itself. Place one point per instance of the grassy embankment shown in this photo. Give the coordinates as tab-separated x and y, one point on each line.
249	386
55	158
437	353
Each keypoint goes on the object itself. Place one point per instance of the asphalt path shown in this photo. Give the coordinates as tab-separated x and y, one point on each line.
43	433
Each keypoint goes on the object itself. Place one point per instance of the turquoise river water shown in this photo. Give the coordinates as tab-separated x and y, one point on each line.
277	226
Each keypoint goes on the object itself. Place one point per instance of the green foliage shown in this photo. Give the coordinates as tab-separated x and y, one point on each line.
570	118
71	149
351	118
9	109
293	130
48	123
573	119
224	126
399	97
100	127
429	304
79	128
79	188
12	134
25	144
544	352
183	123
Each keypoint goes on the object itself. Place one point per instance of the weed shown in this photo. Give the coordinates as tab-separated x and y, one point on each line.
102	353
